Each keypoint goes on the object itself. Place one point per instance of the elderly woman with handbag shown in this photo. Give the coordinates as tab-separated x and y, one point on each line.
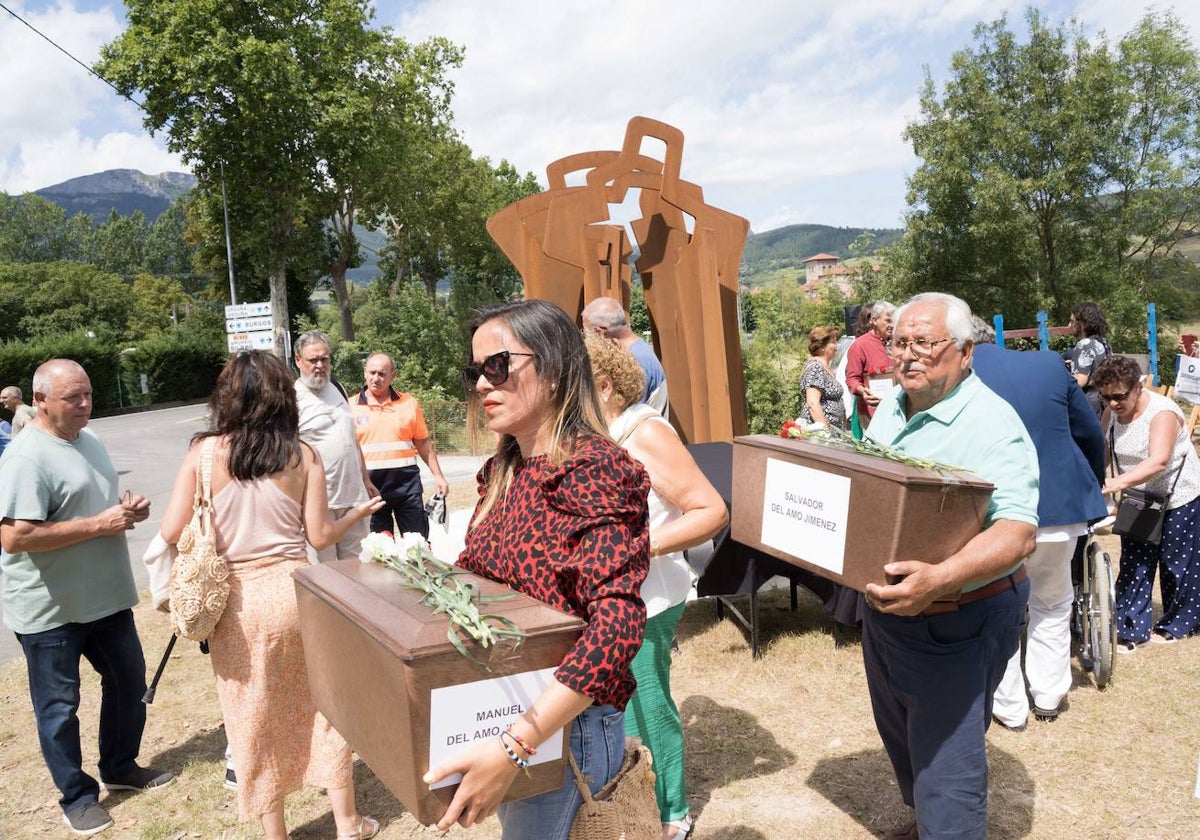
1158	474
267	493
561	517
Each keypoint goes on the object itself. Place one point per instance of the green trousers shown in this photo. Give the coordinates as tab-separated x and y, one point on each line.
653	716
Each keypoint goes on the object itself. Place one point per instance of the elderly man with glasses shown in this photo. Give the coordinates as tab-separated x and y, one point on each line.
327	425
936	642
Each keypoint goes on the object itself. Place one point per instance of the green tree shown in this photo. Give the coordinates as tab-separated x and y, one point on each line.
47	299
377	126
158	304
421	336
33	229
119	244
1052	170
244	87
167	250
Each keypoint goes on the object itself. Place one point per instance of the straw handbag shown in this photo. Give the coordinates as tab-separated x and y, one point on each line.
199	576
625	808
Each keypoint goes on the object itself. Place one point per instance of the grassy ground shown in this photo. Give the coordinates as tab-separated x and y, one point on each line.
779	748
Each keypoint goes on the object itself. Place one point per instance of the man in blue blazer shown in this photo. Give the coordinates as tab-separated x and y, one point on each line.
1070	449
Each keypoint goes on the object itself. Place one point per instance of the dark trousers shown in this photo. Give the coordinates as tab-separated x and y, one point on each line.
931	682
112	647
1178	555
409	513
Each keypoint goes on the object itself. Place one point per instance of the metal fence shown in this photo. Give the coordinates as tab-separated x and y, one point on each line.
454	430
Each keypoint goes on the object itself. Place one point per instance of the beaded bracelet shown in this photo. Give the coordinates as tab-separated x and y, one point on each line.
520	742
518	762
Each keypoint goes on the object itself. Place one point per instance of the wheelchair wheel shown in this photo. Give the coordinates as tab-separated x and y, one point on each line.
1102	629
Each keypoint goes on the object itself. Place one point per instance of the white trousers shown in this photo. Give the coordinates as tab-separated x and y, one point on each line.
1047	637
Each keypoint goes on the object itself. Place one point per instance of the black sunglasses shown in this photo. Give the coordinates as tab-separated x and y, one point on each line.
494	369
1116	397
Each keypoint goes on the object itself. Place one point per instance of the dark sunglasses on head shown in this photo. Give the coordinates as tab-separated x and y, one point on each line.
494	369
1116	397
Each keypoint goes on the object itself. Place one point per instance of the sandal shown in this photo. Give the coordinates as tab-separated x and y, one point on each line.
367	827
683	827
1162	637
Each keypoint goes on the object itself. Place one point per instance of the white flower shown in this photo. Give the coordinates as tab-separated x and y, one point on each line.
378	547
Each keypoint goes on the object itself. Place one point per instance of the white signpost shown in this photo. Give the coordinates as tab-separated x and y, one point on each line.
249	327
1187	378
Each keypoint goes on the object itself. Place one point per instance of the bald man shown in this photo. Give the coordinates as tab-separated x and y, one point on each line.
68	592
12	399
392	433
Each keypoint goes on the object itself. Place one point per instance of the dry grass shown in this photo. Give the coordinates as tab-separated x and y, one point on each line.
779	748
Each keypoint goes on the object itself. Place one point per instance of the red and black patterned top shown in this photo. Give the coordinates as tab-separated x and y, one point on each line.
575	537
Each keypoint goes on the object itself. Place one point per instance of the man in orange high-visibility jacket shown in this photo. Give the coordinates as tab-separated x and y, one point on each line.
391	431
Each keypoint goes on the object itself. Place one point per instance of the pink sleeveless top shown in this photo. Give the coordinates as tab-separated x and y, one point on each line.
255	519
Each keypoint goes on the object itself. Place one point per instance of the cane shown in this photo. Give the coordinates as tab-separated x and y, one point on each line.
148	697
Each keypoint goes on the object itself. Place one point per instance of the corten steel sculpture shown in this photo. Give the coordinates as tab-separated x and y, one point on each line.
566	254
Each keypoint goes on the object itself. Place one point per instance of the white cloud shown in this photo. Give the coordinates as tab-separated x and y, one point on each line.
57	121
793	110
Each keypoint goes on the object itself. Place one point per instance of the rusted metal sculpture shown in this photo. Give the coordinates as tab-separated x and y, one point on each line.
566	254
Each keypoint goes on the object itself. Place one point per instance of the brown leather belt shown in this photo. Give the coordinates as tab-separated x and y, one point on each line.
987	591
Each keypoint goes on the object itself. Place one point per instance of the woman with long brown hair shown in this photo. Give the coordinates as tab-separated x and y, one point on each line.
268	496
562	518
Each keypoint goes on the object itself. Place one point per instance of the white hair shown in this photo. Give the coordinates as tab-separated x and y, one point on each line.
958	314
48	373
880	308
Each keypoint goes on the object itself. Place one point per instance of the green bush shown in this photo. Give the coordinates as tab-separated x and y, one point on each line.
98	356
178	366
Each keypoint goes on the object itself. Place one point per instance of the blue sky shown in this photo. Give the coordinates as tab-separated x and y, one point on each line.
792	110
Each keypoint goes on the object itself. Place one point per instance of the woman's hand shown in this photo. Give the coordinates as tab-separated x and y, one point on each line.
487	775
1112	486
367	508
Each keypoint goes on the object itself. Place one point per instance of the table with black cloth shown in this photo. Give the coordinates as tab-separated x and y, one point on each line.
737	569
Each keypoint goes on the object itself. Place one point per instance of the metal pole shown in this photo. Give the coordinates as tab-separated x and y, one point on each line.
1152	340
998	320
228	244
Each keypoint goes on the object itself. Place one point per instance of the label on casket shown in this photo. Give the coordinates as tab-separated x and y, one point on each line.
805	513
463	715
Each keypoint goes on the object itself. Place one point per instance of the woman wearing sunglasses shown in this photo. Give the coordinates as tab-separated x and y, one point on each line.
562	517
1153	452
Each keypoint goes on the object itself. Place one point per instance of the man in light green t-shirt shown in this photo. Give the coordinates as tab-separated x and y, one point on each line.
68	592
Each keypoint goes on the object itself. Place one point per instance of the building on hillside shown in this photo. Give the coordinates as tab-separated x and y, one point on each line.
827	269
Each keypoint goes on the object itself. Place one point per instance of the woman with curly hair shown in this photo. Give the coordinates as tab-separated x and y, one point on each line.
685	510
1089	325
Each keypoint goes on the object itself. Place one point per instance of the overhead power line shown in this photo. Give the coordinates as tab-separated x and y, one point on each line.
69	55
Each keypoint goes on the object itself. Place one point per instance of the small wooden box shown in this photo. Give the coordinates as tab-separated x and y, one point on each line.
842	514
377	659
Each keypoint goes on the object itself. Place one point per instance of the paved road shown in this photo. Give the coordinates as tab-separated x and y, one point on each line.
147	449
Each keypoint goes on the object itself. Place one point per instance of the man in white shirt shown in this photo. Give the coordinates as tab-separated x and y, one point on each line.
327	425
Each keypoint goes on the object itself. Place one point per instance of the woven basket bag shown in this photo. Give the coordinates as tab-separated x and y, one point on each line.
625	808
199	576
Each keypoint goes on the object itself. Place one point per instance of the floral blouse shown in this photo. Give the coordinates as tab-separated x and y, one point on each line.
575	536
816	376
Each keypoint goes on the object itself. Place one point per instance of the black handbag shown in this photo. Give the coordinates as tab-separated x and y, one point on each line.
1140	514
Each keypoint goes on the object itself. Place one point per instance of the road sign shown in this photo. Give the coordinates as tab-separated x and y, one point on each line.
247	310
241	325
257	340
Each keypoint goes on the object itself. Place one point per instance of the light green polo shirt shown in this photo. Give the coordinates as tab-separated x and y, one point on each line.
45	478
973	428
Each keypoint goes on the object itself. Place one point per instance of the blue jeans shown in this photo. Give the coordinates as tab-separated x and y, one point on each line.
112	647
598	742
931	681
